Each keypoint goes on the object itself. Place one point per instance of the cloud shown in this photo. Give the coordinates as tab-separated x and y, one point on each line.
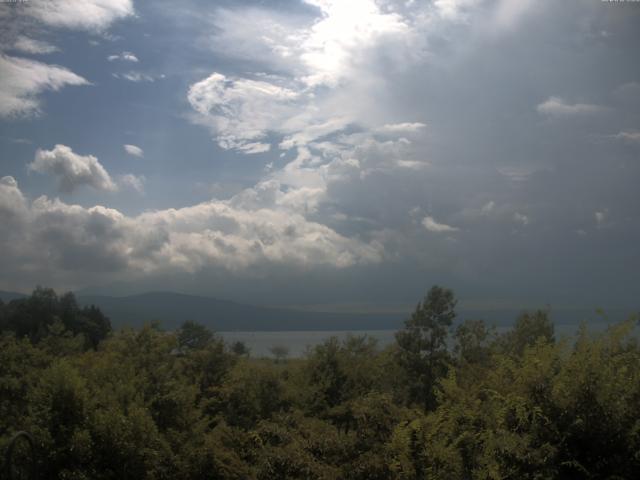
349	96
509	12
137	77
23	80
521	219
628	136
33	46
519	172
133	182
359	156
628	93
317	51
395	128
319	105
253	229
241	111
411	164
317	60
55	239
601	217
430	224
12	202
91	15
134	150
251	33
258	225
72	170
455	10
328	46
254	147
557	107
124	57
22	141
313	131
488	207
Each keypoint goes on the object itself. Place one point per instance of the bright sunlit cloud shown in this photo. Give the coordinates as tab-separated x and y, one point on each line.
462	141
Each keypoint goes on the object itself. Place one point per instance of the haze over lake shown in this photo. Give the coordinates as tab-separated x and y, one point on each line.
300	342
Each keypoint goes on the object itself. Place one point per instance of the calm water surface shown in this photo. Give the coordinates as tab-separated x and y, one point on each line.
299	341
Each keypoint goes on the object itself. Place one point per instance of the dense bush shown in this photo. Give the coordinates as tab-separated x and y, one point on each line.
444	402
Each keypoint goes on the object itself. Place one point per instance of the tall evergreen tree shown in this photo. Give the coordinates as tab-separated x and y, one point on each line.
422	348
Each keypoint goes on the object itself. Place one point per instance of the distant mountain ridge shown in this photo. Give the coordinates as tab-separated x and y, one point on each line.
171	309
8	296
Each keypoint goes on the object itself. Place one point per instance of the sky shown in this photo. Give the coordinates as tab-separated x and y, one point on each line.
323	152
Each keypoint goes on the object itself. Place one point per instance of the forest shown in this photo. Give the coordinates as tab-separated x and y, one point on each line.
449	399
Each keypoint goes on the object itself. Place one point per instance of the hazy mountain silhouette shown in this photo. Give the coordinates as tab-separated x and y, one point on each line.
171	309
8	296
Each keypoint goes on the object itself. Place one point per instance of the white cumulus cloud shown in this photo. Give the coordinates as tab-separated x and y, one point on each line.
71	169
258	227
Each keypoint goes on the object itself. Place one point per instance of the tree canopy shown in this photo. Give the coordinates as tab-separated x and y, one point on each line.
445	401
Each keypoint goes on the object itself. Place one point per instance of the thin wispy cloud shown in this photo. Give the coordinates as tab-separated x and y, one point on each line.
23	81
632	137
95	15
133	182
124	57
406	127
557	107
521	218
137	77
433	226
31	45
133	150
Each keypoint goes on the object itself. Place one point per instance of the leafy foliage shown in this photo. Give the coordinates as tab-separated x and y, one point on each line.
441	403
34	317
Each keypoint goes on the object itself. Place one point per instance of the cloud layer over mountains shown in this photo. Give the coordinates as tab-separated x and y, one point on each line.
464	140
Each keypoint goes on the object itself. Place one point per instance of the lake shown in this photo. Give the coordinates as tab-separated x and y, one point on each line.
298	341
